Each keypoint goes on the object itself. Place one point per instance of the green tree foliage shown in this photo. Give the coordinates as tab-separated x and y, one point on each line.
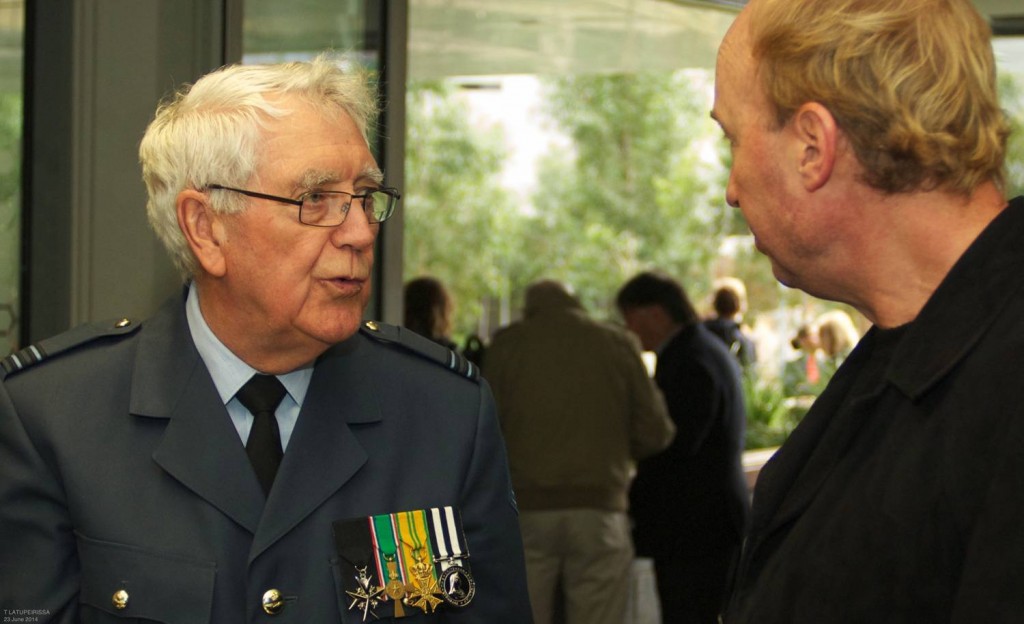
10	213
459	221
641	185
641	188
1011	96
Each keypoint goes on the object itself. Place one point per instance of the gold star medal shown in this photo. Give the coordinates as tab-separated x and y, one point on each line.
414	537
424	592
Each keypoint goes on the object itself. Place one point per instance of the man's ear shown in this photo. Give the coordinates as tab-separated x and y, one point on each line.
203	229
817	133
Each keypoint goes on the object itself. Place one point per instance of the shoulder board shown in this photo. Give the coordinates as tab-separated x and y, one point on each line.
49	347
411	341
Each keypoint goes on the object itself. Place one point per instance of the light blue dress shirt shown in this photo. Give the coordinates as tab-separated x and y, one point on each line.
230	373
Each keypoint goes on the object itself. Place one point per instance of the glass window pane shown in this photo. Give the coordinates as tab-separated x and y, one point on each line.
275	31
12	27
1009	51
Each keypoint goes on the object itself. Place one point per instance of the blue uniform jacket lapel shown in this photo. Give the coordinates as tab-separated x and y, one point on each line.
200	447
323	453
202	450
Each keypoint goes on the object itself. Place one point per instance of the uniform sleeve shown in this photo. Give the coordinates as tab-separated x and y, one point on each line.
491	522
650	428
38	560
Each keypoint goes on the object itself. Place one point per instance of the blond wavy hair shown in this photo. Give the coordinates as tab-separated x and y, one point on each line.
911	83
837	334
210	133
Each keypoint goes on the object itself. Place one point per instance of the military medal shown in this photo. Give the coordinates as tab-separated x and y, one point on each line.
424	592
419	556
382	532
411	532
366	598
395	589
457	586
352	542
456	581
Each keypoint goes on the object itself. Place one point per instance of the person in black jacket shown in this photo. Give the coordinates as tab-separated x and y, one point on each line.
729	302
689	504
868	158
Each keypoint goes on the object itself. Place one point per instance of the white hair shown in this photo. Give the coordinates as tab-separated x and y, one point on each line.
209	133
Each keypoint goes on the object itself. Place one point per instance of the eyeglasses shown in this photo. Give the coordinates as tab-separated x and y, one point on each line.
329	208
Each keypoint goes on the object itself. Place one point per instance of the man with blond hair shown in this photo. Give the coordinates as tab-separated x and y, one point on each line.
868	147
255	452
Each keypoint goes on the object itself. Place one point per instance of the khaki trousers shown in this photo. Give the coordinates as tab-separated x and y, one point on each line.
577	565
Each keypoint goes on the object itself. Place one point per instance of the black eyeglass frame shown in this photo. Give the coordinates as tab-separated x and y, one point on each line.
392	193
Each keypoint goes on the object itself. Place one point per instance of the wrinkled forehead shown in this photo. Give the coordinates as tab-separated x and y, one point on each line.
736	44
733	74
314	146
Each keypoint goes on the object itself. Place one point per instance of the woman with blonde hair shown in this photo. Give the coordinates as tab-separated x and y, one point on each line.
837	335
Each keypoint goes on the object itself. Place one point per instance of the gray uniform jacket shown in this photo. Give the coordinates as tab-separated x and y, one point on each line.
120	471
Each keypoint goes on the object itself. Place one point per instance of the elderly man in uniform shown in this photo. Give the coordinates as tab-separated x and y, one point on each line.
868	147
253	452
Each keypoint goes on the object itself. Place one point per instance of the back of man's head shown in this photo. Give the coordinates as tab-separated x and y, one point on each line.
730	297
653	288
548	294
726	303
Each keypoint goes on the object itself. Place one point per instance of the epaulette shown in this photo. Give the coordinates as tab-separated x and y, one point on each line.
49	347
423	347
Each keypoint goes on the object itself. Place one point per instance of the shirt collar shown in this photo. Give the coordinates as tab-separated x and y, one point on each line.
228	371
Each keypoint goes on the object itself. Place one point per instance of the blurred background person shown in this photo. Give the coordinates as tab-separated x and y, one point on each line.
729	302
689	504
428	310
804	375
822	347
837	336
578	409
474	349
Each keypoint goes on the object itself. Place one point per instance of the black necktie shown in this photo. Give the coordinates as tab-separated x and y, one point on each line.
261	396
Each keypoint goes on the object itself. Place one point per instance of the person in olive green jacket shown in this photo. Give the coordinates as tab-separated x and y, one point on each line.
578	409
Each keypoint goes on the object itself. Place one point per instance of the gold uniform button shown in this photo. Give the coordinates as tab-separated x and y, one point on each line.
120	599
272	603
372	326
122	323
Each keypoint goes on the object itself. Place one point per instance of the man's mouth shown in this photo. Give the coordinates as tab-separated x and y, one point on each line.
347	285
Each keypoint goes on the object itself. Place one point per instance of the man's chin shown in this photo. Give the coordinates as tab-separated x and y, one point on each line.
336	333
785	277
339	324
